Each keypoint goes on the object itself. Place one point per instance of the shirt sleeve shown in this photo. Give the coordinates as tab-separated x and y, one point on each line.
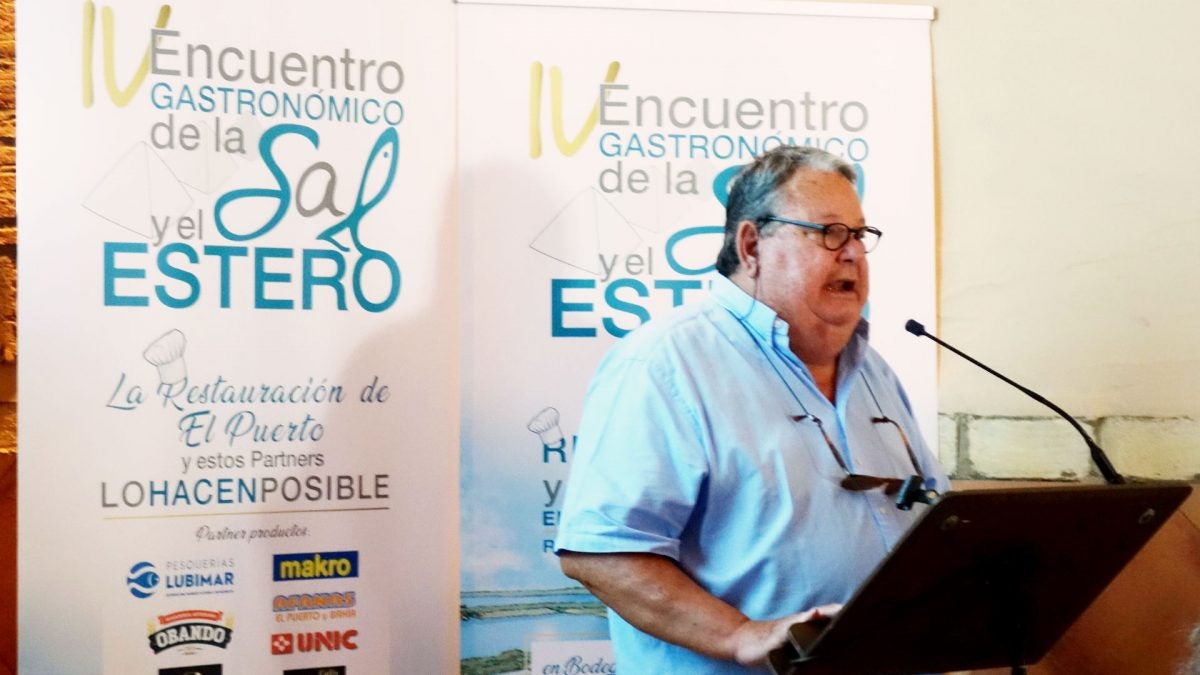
639	466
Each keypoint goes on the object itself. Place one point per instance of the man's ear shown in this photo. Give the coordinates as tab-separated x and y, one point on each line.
747	247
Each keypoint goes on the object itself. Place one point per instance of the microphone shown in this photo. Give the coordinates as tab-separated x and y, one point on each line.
1101	460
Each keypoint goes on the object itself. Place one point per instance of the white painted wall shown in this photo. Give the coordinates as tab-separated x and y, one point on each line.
1069	190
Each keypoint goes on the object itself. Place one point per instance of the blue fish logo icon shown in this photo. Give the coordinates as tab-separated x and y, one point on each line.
142	580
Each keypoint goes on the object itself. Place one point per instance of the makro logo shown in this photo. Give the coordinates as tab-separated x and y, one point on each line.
142	579
324	641
308	566
567	147
189	630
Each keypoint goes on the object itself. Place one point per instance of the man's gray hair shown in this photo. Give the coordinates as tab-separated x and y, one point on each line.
756	190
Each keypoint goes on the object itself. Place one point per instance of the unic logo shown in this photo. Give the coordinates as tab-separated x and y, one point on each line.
567	147
326	565
120	97
325	641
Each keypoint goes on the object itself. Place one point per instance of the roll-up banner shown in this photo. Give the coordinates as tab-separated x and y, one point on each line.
596	143
237	420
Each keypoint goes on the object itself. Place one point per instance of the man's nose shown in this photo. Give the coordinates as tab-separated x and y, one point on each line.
852	251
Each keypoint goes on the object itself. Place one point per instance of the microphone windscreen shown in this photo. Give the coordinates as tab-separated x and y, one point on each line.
914	327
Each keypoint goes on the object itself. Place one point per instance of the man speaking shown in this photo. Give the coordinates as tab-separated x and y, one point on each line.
734	456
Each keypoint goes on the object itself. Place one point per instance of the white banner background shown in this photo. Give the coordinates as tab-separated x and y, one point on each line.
97	434
565	231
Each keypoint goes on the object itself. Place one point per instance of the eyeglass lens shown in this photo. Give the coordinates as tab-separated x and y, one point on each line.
837	234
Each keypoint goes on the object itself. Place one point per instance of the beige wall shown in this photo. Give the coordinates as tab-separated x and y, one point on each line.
1070	168
1069	192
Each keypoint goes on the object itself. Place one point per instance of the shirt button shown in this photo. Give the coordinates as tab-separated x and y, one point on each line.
883	511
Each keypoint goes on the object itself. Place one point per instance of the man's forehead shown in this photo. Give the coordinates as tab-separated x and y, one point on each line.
822	195
805	178
820	216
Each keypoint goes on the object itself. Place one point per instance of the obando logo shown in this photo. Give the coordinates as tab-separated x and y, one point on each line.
142	580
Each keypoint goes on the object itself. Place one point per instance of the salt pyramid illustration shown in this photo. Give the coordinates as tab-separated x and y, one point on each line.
138	186
588	226
204	168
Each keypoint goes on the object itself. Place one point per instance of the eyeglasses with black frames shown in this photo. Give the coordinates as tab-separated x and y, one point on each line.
907	491
834	235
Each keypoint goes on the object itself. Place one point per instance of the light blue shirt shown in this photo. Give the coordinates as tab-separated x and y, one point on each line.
688	449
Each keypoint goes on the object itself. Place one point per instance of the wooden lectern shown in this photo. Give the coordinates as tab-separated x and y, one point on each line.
985	578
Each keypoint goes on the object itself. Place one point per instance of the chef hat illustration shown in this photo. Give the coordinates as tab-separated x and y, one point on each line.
166	354
545	425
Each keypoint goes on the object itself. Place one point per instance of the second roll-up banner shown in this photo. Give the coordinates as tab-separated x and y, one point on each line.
596	144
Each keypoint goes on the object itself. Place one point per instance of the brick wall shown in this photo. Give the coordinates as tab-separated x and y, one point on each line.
975	447
8	342
8	231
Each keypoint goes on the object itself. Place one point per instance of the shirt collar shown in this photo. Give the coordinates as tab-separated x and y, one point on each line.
771	330
755	315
